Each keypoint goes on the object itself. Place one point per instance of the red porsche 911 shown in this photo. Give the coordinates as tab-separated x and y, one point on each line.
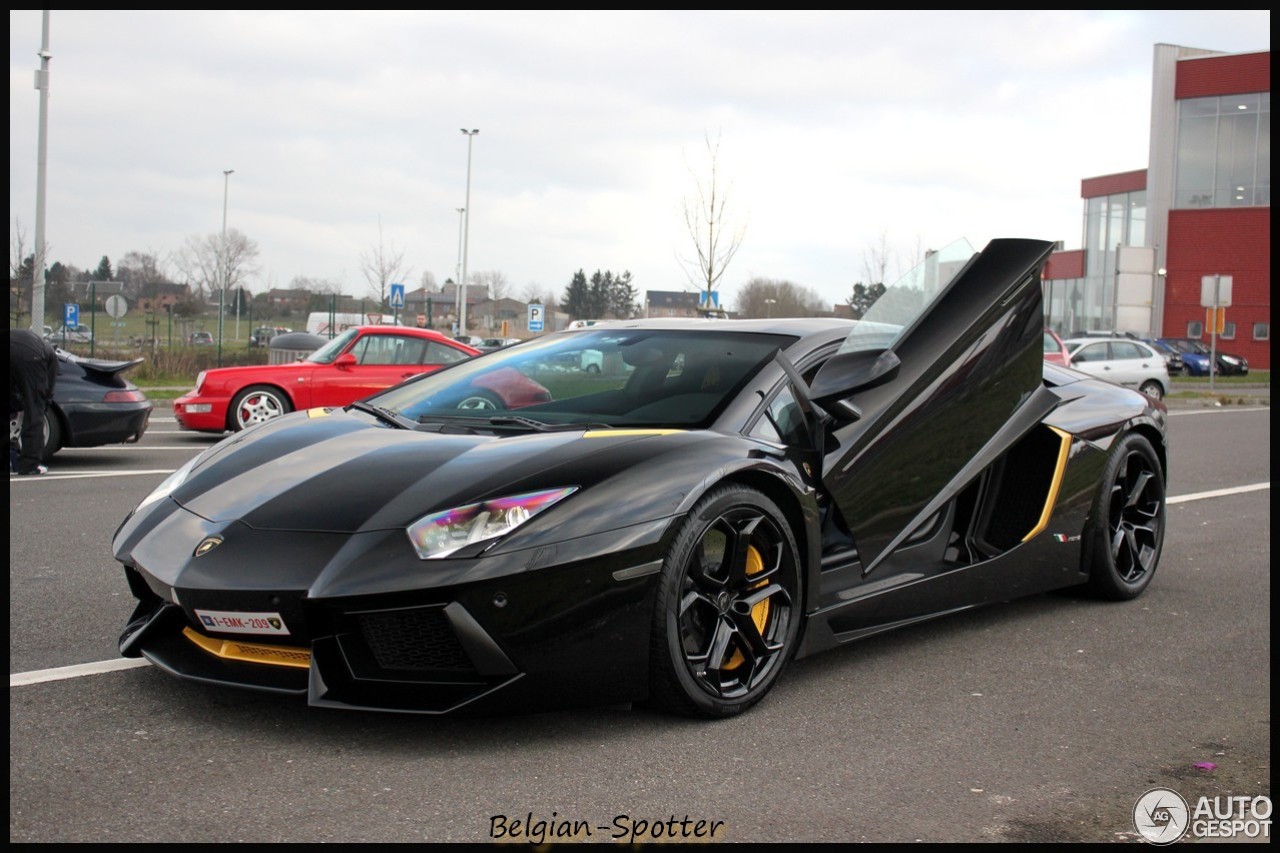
359	362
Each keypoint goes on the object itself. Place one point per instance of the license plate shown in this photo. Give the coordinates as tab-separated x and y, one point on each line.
235	622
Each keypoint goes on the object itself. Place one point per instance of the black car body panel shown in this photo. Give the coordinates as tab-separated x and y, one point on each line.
93	405
921	469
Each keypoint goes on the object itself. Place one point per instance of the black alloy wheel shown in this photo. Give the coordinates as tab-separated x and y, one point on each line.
1125	531
729	605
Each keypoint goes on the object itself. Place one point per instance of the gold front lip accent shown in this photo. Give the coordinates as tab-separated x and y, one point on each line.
251	652
1051	500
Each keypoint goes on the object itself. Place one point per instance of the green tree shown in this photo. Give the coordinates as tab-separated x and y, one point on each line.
863	297
103	272
623	299
577	297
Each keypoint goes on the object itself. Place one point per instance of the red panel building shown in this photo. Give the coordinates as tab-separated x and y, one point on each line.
1201	208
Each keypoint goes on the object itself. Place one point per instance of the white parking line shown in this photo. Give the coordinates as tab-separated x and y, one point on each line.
62	673
1219	493
1218	411
85	475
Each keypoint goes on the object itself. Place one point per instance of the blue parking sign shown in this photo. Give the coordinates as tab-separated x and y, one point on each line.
535	318
70	315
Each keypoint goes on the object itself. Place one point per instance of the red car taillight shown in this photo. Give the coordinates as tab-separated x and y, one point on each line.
123	397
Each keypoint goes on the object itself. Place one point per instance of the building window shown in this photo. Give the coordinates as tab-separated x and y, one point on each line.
1262	331
1228	331
1224	151
1195	328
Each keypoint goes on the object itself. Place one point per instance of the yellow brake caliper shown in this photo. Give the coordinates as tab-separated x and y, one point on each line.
759	613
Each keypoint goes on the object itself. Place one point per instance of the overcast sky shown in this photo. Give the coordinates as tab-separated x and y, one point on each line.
838	132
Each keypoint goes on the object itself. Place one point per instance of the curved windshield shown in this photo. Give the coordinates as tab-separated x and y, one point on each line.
905	301
327	353
594	377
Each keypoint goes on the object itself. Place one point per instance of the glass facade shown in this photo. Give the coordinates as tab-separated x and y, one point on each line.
1089	304
1224	151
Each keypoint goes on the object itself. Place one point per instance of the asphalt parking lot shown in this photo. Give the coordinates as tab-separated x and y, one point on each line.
1038	720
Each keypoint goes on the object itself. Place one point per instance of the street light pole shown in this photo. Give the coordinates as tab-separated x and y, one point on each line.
42	157
457	270
222	256
466	232
768	308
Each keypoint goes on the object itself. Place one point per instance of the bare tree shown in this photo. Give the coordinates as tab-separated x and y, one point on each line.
17	250
714	237
493	281
141	272
383	267
428	282
544	296
767	297
875	261
209	265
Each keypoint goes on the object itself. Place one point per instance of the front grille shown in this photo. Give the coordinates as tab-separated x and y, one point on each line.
416	639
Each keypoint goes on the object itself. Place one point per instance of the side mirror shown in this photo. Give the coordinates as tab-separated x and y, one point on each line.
344	361
847	373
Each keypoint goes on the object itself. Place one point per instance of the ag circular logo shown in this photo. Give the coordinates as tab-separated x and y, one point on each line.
1161	816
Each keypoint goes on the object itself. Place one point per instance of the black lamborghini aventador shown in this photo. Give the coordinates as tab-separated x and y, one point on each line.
708	501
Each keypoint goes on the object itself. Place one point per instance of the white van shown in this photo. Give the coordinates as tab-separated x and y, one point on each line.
329	325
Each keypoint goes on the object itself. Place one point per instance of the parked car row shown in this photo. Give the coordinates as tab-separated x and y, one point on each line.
1196	358
1123	361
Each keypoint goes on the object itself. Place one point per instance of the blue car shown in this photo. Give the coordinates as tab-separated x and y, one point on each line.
1195	358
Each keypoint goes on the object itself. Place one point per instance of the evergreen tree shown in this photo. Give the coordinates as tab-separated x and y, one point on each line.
103	272
863	297
576	298
622	297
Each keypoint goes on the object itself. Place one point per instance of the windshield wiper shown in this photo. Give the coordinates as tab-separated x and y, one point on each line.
541	426
382	414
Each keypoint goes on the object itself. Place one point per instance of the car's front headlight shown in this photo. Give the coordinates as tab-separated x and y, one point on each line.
1230	359
441	533
177	478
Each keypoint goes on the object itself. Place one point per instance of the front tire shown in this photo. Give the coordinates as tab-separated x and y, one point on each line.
1125	531
1152	389
257	404
728	609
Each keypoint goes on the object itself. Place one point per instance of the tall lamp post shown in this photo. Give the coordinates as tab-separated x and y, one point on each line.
222	256
457	271
768	307
466	232
42	157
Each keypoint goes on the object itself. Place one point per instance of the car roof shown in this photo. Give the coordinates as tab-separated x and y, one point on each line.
798	326
1073	342
412	331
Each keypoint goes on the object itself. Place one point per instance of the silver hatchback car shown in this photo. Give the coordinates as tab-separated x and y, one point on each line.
1123	361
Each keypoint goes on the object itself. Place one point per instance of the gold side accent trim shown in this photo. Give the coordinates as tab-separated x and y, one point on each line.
627	433
251	652
1051	500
